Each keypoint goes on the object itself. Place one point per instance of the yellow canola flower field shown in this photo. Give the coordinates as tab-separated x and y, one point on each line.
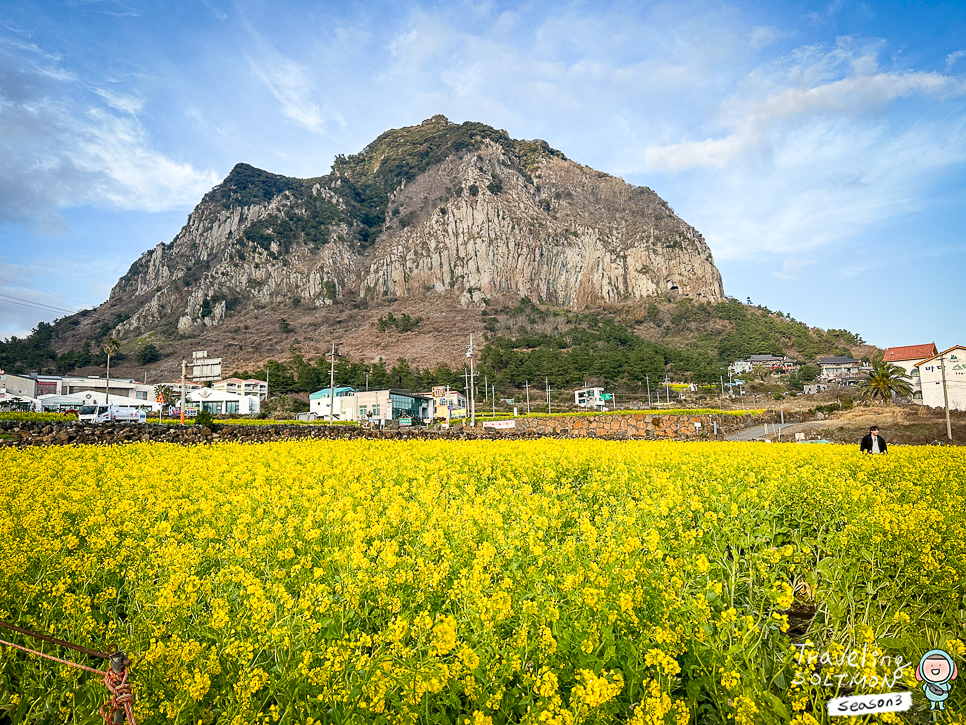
476	582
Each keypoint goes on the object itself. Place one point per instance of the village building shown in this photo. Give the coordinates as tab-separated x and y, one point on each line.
385	405
120	387
840	368
250	386
22	385
907	358
949	365
775	363
221	402
447	403
591	398
345	404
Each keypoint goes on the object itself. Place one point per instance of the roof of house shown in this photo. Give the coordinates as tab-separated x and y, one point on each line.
837	360
910	352
940	354
324	393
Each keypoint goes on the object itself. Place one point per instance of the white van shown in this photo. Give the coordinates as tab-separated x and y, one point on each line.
109	413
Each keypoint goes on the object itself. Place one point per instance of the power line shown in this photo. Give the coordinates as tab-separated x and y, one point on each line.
21	284
29	303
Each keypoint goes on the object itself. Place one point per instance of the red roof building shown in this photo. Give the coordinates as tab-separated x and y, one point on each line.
910	352
908	358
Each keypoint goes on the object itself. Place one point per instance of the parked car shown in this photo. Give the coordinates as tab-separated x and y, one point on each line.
111	413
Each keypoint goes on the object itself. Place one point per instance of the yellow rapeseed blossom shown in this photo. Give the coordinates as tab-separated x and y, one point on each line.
538	581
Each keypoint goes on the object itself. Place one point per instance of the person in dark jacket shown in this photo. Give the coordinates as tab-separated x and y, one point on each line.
873	442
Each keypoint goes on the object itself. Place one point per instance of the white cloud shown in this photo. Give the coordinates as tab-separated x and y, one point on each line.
814	154
753	122
952	58
60	147
293	84
763	36
792	268
120	101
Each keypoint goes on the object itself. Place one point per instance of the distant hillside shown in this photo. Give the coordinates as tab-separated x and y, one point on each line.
450	216
431	233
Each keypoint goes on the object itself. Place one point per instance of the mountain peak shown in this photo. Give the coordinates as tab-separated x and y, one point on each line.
454	214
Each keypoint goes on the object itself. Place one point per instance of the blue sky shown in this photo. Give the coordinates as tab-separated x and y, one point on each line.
820	148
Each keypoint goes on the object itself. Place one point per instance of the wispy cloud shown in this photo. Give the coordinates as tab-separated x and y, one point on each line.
791	268
60	147
120	101
812	154
291	83
952	58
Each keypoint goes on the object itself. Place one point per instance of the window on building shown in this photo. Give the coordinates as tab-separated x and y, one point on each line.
141	395
231	406
362	410
212	407
914	373
376	410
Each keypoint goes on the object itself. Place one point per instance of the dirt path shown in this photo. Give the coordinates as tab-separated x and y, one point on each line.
906	425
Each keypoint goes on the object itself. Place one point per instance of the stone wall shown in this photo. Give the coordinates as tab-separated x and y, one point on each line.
639	425
636	426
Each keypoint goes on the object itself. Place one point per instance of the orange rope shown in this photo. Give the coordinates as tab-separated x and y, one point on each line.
121	697
55	659
117	684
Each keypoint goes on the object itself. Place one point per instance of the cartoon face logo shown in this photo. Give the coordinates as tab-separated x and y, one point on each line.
935	671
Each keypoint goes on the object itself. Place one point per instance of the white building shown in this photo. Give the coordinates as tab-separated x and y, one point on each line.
120	387
775	363
22	385
73	401
931	370
345	405
221	402
591	398
243	387
839	366
907	358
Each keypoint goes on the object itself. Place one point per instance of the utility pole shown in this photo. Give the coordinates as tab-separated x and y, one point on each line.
332	386
648	390
548	395
184	370
367	379
469	354
486	387
722	387
667	389
528	397
949	426
493	398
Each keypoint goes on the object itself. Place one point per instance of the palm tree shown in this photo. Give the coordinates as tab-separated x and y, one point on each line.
886	381
111	347
164	395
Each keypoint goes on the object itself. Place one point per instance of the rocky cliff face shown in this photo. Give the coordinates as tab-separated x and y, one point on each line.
459	211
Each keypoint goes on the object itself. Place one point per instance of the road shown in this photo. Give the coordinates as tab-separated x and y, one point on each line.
759	431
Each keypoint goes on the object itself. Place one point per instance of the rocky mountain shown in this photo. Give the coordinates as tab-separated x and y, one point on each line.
453	215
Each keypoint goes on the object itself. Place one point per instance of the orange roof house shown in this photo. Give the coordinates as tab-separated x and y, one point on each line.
910	352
